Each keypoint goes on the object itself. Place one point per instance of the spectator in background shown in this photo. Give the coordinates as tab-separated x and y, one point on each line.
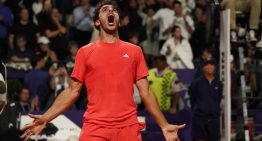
70	59
82	25
161	78
133	38
58	82
44	48
24	26
164	17
43	17
198	39
150	45
178	51
37	7
20	53
6	18
234	84
135	20
201	2
56	32
37	80
124	28
206	55
205	97
253	7
184	21
23	102
73	48
65	6
131	22
188	6
9	116
16	5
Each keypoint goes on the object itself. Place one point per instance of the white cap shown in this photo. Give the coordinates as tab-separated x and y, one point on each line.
43	40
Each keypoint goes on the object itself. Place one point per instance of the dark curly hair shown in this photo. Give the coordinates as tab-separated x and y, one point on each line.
100	5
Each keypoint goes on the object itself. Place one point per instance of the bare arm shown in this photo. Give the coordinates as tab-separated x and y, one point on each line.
65	99
51	34
11	41
18	59
148	98
150	102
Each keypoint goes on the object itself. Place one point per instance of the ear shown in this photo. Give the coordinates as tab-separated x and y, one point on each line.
97	23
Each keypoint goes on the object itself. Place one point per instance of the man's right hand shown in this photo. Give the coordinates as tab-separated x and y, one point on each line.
34	128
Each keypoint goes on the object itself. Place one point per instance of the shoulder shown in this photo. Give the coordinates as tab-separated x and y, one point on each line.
130	45
185	41
198	80
78	9
12	105
153	70
87	48
92	9
169	41
218	81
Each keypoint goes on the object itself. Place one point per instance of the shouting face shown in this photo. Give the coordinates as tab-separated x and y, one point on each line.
108	19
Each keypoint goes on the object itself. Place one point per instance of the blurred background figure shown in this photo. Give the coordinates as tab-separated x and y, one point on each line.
21	52
205	97
24	26
151	44
58	82
23	102
161	78
178	51
253	7
6	18
56	32
9	115
164	17
183	20
70	59
82	24
37	80
44	48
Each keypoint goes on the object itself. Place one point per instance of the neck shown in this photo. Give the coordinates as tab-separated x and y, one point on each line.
178	14
38	67
177	40
209	77
160	70
23	22
22	48
23	102
109	37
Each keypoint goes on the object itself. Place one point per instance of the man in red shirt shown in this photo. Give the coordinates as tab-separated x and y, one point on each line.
108	67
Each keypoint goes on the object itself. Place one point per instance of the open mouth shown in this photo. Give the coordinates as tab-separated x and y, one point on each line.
111	19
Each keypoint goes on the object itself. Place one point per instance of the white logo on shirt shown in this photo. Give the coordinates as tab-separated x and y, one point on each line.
10	125
126	56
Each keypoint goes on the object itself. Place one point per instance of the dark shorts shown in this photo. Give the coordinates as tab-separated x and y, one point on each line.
204	128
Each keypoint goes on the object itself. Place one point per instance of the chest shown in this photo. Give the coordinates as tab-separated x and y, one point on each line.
209	89
111	59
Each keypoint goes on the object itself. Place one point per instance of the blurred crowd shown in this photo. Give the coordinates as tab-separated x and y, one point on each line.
46	35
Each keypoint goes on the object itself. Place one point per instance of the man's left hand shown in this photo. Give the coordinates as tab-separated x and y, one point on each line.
170	132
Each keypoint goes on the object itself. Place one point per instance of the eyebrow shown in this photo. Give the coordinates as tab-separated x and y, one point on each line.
106	6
